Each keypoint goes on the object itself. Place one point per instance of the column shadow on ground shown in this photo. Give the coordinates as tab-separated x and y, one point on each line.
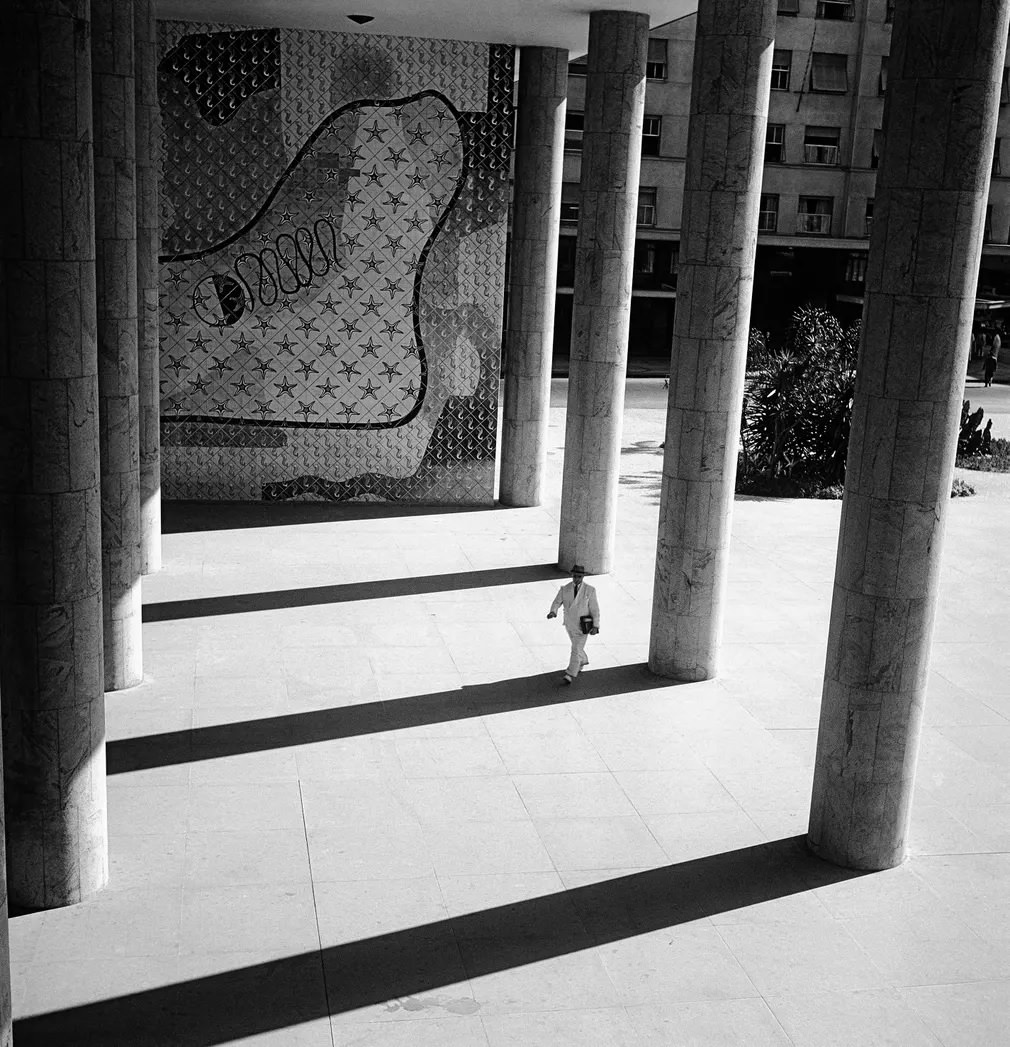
403	971
347	592
351	721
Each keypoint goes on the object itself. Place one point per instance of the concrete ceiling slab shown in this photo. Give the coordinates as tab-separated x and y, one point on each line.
548	23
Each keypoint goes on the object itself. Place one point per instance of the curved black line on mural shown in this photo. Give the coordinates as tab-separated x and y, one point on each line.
360	103
443	449
439	225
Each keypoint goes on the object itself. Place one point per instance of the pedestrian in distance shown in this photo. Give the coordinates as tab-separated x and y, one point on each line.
992	357
581	618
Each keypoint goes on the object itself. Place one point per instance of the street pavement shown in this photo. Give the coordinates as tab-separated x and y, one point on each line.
650	394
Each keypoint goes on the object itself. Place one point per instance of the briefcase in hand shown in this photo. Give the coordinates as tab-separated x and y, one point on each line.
586	623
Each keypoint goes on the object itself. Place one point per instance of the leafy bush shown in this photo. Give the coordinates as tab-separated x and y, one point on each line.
977	448
996	460
798	405
971	440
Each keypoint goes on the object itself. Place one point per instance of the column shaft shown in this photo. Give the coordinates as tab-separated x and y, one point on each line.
939	126
148	246
725	153
536	215
118	403
604	263
50	500
6	1002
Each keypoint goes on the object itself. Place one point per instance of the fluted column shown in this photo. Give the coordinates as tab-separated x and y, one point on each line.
725	151
148	246
533	272
939	126
51	670
604	263
118	405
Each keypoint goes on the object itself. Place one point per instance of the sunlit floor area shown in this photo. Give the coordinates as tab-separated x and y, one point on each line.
351	804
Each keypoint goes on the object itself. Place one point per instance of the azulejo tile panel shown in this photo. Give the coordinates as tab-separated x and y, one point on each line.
334	213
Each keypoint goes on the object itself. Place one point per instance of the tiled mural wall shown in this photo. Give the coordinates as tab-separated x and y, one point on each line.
334	215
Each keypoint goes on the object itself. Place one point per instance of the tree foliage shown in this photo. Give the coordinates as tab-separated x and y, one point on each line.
798	406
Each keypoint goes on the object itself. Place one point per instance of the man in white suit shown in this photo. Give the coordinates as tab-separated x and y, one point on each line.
578	598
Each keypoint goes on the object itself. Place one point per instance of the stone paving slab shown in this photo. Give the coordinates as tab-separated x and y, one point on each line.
350	803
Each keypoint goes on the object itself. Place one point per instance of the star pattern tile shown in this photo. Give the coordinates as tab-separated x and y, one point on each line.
327	331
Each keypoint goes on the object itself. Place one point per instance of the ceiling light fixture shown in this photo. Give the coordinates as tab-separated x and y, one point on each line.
361	19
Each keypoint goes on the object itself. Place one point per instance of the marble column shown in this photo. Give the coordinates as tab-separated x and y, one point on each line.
725	152
148	245
118	404
51	670
939	129
533	273
601	310
6	1003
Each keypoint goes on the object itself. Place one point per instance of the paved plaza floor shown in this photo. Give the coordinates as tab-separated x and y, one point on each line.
350	804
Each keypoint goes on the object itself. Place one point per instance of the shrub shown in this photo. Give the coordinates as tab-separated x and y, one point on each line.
798	405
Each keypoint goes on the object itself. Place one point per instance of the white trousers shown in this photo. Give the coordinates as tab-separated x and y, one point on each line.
578	658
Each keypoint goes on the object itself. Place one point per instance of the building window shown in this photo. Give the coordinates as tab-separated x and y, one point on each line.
566	253
882	79
570	202
775	144
829	73
655	62
988	223
782	65
868	220
876	148
574	123
578	67
674	260
1004	91
647	206
652	129
835	9
889	11
814	215
997	162
789	7
820	145
855	268
768	216
645	257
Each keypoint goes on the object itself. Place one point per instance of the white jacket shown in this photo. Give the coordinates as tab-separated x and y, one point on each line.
576	606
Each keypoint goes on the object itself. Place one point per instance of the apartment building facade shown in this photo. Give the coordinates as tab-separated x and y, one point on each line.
822	150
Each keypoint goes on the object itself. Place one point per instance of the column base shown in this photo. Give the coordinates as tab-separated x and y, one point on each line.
846	861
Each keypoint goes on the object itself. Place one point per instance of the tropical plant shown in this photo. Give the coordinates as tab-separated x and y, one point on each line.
798	404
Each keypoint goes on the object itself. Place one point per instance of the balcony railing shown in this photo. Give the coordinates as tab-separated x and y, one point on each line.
820	154
813	223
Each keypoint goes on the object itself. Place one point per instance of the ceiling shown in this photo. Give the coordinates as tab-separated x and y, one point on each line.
549	23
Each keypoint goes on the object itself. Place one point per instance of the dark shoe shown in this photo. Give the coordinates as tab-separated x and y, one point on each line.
566	679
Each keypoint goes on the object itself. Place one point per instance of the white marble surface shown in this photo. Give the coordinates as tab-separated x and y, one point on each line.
148	239
920	288
113	99
467	812
536	216
601	310
725	153
52	584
